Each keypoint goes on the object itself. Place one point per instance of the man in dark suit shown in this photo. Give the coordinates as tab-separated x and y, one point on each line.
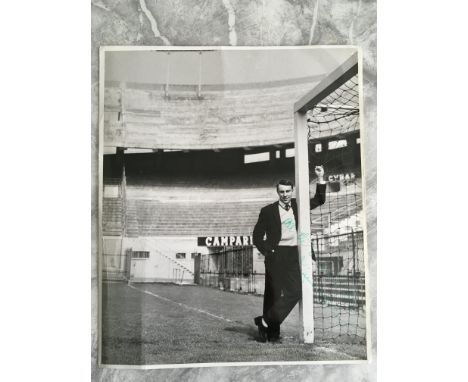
275	236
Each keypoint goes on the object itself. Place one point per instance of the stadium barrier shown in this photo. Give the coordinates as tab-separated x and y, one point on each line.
252	283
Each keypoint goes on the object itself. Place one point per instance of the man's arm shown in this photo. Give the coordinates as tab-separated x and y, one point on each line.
259	232
319	197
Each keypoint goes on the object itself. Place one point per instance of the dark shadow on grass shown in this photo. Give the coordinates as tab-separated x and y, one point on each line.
245	330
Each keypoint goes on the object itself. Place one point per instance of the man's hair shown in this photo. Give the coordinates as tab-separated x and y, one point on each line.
284	182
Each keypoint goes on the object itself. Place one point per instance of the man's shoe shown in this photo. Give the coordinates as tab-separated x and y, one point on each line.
274	337
274	333
262	330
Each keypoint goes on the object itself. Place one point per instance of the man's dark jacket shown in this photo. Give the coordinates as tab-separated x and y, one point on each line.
269	221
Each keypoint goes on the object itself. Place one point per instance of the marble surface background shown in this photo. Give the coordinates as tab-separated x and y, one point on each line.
243	23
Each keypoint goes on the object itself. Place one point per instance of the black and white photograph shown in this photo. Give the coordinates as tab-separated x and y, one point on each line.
232	206
190	191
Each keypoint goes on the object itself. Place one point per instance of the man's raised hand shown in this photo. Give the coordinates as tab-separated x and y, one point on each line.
319	171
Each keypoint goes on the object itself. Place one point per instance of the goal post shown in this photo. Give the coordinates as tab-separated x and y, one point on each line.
342	110
306	305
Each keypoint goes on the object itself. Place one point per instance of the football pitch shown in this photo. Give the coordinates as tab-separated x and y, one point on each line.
150	324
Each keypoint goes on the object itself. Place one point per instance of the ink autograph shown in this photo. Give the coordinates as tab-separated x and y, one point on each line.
301	238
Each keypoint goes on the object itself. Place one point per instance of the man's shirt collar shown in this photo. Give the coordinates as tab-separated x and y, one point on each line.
283	205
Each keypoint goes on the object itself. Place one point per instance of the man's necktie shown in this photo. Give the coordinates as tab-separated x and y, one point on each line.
287	207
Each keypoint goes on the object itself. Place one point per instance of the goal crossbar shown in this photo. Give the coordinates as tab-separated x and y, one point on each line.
329	84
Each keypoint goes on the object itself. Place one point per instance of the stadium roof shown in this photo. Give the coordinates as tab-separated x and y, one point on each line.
213	67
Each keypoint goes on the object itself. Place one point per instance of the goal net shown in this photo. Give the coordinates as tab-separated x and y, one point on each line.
337	227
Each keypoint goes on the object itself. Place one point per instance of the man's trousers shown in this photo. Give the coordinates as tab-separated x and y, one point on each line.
283	285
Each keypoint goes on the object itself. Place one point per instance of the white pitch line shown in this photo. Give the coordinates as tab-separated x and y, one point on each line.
181	304
327	350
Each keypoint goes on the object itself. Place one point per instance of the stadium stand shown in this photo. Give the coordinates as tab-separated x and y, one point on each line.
148	217
112	219
170	204
145	117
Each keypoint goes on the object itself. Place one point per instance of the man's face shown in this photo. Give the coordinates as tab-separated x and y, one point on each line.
284	193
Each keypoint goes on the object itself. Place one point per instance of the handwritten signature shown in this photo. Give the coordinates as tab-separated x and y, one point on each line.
302	238
306	277
291	225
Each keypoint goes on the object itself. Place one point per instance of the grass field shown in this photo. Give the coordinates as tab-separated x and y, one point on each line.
148	324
